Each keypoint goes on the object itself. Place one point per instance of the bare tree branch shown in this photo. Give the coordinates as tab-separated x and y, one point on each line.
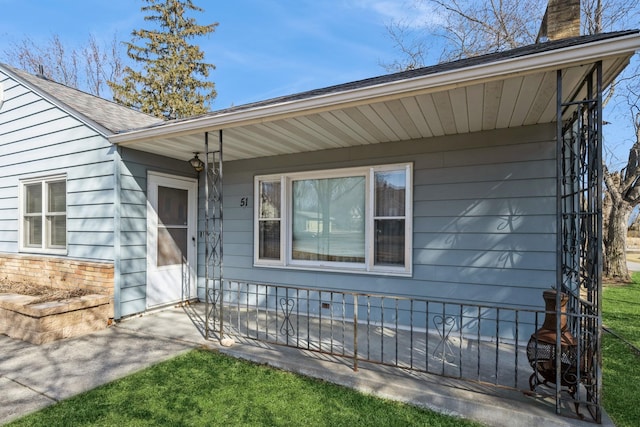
413	49
86	68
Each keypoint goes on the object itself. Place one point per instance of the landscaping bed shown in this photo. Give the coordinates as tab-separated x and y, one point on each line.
40	314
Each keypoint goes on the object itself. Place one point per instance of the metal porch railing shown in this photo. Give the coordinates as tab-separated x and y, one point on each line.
474	342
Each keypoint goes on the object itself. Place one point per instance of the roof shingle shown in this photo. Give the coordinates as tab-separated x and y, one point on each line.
108	115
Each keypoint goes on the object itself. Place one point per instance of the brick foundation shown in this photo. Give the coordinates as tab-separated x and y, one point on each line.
58	272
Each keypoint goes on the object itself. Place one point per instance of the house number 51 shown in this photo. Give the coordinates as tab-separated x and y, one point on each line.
244	202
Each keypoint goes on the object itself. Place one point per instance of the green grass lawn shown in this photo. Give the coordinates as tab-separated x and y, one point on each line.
621	365
207	388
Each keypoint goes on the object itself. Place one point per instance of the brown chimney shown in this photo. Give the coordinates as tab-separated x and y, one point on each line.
561	20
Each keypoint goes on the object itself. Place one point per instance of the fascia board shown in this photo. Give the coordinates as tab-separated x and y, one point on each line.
481	73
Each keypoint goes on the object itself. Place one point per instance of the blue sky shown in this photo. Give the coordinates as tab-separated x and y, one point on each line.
261	49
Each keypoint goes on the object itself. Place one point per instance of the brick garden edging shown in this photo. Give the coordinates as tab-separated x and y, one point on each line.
58	272
49	321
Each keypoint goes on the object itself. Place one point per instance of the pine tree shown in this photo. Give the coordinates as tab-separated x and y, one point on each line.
172	81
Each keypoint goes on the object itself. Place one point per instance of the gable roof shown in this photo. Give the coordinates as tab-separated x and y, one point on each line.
500	90
106	116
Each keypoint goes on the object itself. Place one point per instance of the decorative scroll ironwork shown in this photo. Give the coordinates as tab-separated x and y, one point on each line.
444	325
213	236
287	304
579	224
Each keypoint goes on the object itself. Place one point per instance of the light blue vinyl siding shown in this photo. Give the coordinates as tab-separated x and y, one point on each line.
133	223
39	139
484	217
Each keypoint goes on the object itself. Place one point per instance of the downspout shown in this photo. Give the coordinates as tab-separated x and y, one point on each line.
207	231
117	228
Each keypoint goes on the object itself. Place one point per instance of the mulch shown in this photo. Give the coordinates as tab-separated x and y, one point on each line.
45	293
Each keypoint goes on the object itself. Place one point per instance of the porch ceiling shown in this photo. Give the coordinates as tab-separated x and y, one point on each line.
502	94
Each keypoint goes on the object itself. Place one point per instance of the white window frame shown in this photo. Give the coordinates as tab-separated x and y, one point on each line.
45	247
368	267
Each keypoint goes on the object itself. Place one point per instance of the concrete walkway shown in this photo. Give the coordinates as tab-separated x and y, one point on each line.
32	377
633	266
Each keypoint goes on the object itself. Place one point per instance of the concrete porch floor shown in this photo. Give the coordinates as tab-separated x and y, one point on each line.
32	377
492	405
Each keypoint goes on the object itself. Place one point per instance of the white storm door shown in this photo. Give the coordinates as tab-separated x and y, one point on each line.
171	239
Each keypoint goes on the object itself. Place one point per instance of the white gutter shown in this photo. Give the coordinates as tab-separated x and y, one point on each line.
510	67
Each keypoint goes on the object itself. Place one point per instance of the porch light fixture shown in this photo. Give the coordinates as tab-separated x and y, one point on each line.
198	165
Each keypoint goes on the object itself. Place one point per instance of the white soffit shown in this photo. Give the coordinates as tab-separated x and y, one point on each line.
509	93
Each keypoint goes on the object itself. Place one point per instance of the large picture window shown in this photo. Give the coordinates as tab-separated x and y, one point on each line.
44	215
356	219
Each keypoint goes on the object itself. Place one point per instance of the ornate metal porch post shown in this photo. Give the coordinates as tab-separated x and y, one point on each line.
579	225
213	236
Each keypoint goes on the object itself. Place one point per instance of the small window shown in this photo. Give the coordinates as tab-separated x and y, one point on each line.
44	215
356	219
389	217
269	207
